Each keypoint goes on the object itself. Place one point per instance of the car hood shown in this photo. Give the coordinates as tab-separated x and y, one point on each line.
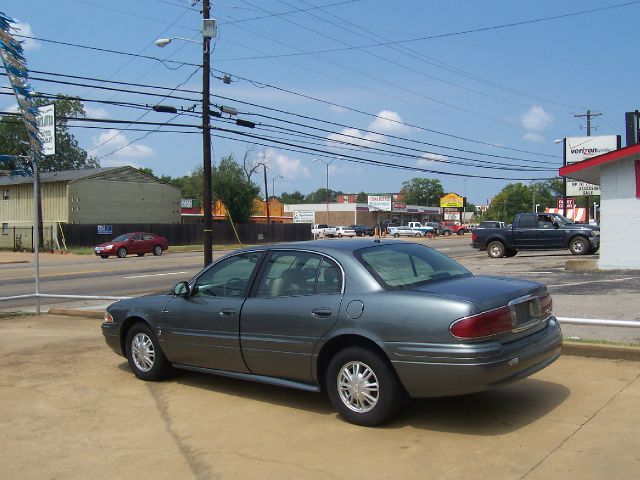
108	243
485	292
581	226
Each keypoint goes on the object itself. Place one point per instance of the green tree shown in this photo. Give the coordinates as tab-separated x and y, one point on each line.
69	155
294	197
320	196
233	189
146	170
362	197
518	197
422	191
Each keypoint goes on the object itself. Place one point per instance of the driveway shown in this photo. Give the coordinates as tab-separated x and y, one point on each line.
71	409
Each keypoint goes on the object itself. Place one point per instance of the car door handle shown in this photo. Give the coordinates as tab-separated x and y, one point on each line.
227	312
321	312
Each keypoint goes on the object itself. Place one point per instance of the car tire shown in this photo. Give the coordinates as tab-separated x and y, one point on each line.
104	256
579	246
144	354
462	231
418	234
339	235
396	235
447	233
373	406
512	252
157	250
496	249
141	254
122	252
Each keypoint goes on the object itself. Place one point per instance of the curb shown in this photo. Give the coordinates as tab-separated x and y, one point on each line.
611	352
9	262
73	312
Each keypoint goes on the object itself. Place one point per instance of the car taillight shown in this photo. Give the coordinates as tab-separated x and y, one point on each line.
484	324
546	306
108	318
474	236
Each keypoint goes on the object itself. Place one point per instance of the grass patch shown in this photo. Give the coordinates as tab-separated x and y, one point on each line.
4	315
600	342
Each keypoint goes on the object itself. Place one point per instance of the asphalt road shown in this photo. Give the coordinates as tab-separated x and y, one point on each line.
577	294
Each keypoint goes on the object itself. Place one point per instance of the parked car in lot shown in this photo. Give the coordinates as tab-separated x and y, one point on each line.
129	243
323	230
363	230
342	231
537	231
407	231
492	224
440	229
367	321
456	227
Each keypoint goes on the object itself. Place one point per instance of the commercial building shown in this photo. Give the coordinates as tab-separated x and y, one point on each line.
90	196
618	174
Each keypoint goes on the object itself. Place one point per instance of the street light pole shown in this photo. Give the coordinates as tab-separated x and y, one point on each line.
273	184
206	141
327	165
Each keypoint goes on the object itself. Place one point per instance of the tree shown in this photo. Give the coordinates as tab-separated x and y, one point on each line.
146	170
422	191
518	197
69	156
362	197
233	189
294	197
320	196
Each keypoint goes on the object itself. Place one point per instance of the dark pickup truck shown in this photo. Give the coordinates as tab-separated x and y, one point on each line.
537	231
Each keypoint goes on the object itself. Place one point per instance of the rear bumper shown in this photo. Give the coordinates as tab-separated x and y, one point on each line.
441	370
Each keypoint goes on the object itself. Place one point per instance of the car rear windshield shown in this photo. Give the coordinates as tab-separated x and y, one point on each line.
404	266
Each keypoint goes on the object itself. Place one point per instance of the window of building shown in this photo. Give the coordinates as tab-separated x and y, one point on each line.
5	229
5	194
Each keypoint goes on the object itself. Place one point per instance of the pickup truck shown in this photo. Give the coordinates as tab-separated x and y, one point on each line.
424	229
456	228
321	230
537	231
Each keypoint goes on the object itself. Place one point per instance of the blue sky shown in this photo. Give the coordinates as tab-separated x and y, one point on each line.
511	90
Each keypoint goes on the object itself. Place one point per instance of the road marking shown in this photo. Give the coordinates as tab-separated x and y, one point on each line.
593	281
157	274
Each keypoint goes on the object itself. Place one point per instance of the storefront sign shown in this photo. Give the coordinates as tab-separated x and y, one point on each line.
570	203
379	203
452	200
399	207
578	149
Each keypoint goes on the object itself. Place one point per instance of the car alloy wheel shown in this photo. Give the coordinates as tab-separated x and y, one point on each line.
157	250
142	352
122	252
579	246
358	387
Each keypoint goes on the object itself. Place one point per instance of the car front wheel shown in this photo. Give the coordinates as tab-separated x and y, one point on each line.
122	252
157	250
579	246
145	355
363	387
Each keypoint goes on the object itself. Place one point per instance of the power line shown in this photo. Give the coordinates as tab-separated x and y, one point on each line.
295	10
442	35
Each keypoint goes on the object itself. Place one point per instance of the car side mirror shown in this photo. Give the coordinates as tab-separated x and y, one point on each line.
181	290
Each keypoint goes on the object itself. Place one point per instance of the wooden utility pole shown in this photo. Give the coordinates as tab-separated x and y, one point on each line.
206	142
588	115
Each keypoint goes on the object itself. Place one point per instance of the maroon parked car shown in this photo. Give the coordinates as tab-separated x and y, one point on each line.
138	243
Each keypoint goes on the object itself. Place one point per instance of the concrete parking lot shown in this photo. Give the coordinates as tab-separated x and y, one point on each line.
71	409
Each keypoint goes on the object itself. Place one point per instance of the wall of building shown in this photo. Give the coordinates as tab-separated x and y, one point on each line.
95	200
619	217
17	210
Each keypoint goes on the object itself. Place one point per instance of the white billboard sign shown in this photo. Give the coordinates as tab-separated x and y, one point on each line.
581	148
47	128
304	216
379	203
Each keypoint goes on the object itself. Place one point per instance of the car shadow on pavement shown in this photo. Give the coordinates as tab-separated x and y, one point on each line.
494	412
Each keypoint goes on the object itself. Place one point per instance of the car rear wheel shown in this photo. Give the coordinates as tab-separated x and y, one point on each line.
122	252
447	233
141	254
145	355
363	387
396	235
157	250
496	249
579	246
339	235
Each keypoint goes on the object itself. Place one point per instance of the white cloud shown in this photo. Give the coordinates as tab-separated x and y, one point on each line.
355	137
428	159
536	119
337	109
388	122
533	137
112	141
289	168
98	112
24	28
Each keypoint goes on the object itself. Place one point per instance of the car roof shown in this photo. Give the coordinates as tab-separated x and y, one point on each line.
328	246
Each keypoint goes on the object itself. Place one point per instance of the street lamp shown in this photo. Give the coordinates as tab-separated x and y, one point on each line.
327	165
536	207
208	31
273	184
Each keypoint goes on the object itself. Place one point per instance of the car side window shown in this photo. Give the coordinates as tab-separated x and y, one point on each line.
147	236
137	237
289	274
528	221
227	278
545	221
329	278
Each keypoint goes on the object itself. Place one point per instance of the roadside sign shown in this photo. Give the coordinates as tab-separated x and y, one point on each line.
105	229
570	203
303	216
379	203
452	200
47	128
578	149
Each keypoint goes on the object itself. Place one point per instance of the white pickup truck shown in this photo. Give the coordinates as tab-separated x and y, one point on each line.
424	229
322	230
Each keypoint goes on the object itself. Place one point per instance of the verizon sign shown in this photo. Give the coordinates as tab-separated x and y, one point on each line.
578	149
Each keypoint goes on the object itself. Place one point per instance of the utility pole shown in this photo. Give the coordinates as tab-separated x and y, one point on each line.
588	115
206	141
266	193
